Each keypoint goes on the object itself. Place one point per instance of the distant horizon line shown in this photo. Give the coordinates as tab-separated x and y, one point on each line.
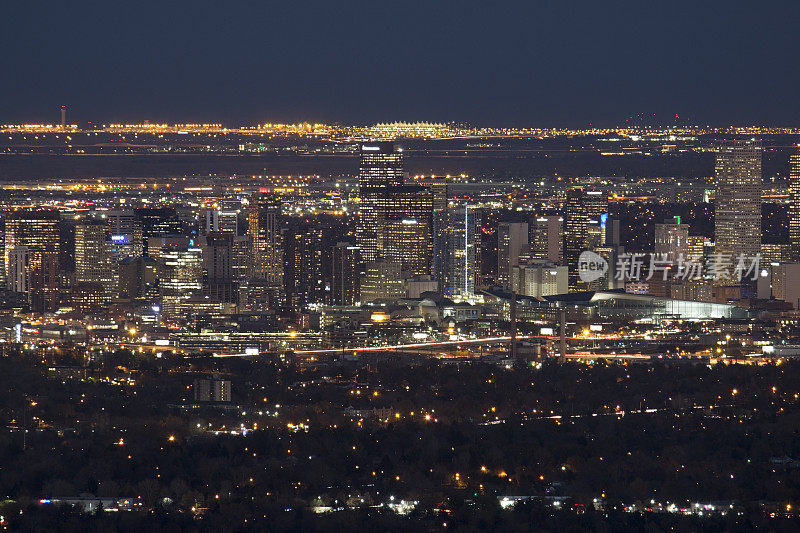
449	125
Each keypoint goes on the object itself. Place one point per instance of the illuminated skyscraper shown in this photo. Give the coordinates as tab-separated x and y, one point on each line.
512	240
794	205
345	273
19	270
181	279
439	190
456	246
265	234
138	277
381	167
209	220
547	238
126	235
38	232
737	216
93	256
242	257
157	222
672	240
539	277
580	207
404	227
302	256
576	222
381	280
218	281
214	220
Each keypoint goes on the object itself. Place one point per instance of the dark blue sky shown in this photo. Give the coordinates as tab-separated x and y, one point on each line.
494	63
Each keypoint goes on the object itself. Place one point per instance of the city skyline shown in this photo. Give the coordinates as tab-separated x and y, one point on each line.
431	266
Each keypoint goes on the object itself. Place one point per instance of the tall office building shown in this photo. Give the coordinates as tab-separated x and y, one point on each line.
456	247
216	220
381	167
18	278
539	277
209	220
580	207
157	222
439	191
217	254
125	234
404	227
672	239
408	244
381	280
302	256
794	206
138	277
242	257
737	217
512	240
596	204
38	231
93	256
265	235
121	222
229	221
345	273
696	245
546	238
181	279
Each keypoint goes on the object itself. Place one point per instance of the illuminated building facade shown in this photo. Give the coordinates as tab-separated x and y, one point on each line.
242	257
672	240
381	167
157	222
345	273
456	250
38	232
404	227
302	254
539	278
93	256
381	281
439	192
794	205
88	298
580	207
265	237
547	238
512	240
125	234
218	281
737	217
181	279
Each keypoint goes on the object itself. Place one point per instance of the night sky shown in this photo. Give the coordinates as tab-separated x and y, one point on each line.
523	62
